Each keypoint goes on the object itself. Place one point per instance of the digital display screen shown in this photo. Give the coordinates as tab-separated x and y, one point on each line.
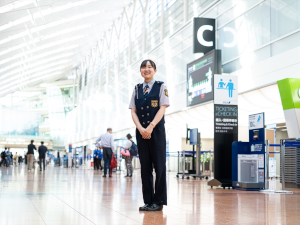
200	79
194	136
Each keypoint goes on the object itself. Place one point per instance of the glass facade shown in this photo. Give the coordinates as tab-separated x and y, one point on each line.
248	31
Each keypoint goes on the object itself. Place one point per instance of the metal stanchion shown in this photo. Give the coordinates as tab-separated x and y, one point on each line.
267	169
210	164
178	165
183	158
282	147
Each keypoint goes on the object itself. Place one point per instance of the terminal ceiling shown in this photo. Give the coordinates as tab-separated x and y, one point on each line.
42	40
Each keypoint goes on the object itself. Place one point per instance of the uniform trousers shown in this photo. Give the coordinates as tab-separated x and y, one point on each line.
107	154
153	152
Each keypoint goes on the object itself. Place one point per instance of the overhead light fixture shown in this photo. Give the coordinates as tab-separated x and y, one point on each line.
44	85
71	77
36	69
15	5
33	75
52	35
44	12
52	44
46	26
63	49
32	80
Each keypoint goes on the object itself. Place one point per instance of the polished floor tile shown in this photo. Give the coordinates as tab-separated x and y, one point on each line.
82	196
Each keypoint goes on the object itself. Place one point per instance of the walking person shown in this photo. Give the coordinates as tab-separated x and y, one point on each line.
128	159
148	105
9	157
15	157
30	155
42	155
4	158
107	142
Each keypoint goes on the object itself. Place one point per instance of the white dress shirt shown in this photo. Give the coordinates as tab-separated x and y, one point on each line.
107	141
163	96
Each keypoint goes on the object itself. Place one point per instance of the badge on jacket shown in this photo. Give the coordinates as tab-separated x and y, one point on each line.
166	92
154	103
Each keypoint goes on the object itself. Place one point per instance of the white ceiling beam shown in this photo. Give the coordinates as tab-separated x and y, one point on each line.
36	57
15	5
37	40
49	25
42	47
45	12
65	51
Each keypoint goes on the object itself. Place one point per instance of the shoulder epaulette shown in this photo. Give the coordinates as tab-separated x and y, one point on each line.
159	82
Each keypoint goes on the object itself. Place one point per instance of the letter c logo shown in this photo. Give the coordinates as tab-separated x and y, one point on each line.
200	35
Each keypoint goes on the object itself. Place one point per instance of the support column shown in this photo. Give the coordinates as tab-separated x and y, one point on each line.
144	34
185	10
129	47
74	85
162	21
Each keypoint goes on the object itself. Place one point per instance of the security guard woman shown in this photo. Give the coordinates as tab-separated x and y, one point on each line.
148	105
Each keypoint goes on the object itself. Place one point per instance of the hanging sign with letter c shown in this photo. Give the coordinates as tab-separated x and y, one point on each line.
204	35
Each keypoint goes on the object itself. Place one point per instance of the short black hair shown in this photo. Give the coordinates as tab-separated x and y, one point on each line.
129	136
31	141
109	129
42	142
144	63
5	148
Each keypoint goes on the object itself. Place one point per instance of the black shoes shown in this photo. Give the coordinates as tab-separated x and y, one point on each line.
155	207
151	207
126	176
145	207
110	175
104	176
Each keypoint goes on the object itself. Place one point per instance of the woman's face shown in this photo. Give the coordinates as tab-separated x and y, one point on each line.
148	71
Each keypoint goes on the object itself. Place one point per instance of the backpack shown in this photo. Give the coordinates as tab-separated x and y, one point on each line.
133	150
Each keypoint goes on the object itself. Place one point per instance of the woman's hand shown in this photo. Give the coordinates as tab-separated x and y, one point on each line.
145	134
142	131
148	131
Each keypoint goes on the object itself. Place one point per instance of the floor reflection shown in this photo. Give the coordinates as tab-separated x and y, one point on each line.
83	196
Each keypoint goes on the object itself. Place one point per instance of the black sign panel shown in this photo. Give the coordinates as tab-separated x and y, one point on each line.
204	36
225	132
200	78
226	119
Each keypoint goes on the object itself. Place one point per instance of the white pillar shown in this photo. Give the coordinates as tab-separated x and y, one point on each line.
162	20
186	10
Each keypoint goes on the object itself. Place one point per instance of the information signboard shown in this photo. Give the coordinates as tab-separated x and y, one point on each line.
200	78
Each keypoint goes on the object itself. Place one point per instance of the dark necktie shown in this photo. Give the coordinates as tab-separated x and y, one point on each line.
146	90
